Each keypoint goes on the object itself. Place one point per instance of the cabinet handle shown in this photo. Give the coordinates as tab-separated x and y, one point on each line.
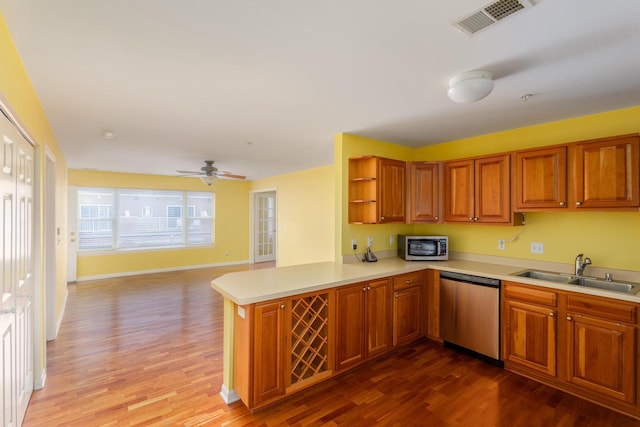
282	306
408	281
364	289
381	217
436	218
569	318
396	295
552	314
562	203
368	288
471	218
578	203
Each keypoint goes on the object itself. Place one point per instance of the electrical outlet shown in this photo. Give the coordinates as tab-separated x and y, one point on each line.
501	244
354	244
537	248
370	241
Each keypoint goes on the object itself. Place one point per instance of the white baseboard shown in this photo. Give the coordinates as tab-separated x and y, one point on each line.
38	383
60	315
159	270
229	396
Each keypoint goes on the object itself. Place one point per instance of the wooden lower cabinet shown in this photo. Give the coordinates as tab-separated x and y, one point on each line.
282	346
601	349
529	335
363	326
582	344
408	309
530	340
269	351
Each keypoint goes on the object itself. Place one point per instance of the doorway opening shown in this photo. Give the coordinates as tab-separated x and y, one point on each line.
264	226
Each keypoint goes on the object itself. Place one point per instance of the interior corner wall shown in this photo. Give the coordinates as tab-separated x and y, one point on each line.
305	214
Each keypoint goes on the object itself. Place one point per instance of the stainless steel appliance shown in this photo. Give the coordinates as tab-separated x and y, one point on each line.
423	248
470	313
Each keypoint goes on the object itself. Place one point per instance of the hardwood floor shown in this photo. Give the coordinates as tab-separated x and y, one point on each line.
147	350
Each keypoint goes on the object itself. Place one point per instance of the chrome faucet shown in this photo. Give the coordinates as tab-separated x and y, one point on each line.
581	264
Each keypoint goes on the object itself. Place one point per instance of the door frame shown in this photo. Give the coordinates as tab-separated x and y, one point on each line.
50	242
252	223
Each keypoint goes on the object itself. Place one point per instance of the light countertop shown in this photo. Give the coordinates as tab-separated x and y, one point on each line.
247	287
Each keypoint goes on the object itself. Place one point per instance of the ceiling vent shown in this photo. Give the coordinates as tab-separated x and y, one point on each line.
492	13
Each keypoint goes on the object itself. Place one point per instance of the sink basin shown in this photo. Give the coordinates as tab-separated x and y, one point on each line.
546	275
589	282
629	288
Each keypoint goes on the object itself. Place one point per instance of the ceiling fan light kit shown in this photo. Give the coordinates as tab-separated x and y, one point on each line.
470	86
208	179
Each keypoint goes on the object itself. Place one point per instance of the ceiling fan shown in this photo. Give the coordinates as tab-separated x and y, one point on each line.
208	173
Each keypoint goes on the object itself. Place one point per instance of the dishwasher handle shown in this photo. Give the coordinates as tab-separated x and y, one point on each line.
468	278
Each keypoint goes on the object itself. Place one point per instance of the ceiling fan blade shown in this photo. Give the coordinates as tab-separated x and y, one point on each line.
230	175
190	172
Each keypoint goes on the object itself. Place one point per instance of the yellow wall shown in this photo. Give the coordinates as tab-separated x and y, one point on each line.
19	95
231	225
610	239
305	214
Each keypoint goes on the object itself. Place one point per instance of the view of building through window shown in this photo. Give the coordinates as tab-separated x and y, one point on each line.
111	219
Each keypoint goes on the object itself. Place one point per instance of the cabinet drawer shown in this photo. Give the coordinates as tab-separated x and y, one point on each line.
600	307
407	280
518	292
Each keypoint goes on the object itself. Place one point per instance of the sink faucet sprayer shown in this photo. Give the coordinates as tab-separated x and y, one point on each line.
581	264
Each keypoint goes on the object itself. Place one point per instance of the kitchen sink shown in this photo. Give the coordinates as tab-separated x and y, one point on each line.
589	282
545	275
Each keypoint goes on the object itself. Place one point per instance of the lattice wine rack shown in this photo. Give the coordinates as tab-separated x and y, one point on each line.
309	336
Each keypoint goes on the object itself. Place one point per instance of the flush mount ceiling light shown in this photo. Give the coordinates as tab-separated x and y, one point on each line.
471	86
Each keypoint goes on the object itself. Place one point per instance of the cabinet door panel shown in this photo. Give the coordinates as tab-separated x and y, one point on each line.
541	178
601	356
607	173
378	323
530	336
424	192
392	190
459	191
268	356
350	346
492	200
406	315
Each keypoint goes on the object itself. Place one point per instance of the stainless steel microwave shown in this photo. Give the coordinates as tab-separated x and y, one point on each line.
423	248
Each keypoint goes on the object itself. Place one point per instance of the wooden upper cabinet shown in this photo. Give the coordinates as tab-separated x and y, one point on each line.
459	191
423	192
377	190
392	190
478	190
607	172
541	178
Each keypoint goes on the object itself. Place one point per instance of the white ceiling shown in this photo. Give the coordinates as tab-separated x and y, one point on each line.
262	86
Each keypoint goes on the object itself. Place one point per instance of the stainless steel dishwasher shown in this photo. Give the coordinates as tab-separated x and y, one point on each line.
470	313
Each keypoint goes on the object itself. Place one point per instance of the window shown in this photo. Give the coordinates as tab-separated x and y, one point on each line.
145	218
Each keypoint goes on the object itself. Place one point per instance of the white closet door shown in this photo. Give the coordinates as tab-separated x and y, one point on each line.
16	256
24	294
9	289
